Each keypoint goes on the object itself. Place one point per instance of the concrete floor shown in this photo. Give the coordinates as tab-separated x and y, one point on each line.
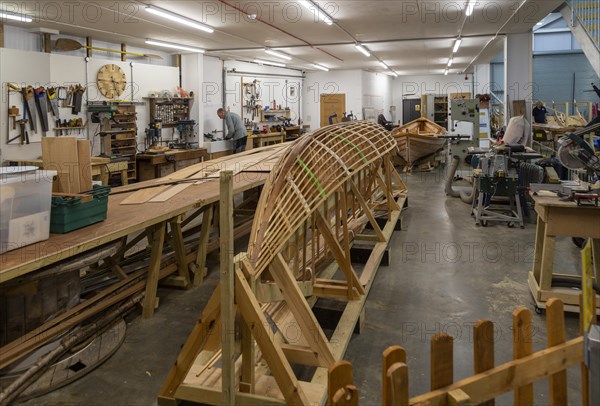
446	273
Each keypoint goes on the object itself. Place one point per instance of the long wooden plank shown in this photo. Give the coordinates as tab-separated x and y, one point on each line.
522	347
483	349
555	331
273	354
142	196
299	307
169	193
512	375
379	249
367	210
227	288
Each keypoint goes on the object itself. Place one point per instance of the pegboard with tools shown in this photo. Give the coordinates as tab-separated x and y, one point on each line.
170	110
31	108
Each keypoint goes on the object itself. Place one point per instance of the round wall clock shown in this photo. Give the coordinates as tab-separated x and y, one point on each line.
111	80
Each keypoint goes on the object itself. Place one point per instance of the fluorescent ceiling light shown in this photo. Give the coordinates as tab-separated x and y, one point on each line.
178	18
470	7
16	17
316	65
457	45
269	63
278	54
362	49
314	8
390	73
446	72
450	62
383	64
174	46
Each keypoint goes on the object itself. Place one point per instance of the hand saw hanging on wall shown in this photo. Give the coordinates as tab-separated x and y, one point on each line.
29	99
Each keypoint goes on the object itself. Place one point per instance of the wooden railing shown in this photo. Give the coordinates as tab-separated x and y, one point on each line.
489	381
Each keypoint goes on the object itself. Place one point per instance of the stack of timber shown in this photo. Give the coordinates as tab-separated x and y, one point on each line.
318	199
417	140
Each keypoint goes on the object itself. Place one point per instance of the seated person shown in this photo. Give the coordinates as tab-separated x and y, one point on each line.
539	113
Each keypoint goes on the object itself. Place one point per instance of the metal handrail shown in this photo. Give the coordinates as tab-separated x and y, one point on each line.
584	11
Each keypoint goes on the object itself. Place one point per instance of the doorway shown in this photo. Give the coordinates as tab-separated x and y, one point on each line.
332	104
411	110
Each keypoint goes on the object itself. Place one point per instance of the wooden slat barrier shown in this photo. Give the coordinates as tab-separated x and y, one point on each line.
483	349
442	367
489	381
522	347
341	389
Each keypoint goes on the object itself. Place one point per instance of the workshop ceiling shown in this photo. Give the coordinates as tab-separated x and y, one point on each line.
410	36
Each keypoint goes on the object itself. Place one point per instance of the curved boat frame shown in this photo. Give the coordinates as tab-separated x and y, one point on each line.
318	199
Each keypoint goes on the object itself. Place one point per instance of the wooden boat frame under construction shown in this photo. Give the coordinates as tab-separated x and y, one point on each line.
318	199
417	140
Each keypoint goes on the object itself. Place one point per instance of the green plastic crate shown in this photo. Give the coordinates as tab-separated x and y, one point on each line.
70	213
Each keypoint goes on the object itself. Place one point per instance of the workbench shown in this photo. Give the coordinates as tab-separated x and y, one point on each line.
124	220
152	166
101	168
561	219
261	140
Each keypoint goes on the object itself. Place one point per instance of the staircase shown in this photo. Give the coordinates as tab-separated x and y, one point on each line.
583	17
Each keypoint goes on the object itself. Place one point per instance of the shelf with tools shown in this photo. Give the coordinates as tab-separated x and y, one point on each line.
122	131
170	110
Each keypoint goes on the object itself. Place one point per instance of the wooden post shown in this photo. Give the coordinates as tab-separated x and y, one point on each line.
391	355
88	51
123	55
522	347
397	379
1	35
47	43
207	218
555	331
271	350
585	376
340	388
158	239
179	248
302	312
483	349
442	367
227	287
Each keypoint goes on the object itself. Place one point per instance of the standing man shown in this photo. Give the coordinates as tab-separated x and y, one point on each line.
235	129
539	113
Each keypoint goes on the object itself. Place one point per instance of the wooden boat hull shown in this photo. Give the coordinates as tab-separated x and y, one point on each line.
417	139
412	147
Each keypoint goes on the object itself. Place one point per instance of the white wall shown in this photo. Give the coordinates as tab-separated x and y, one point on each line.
274	84
43	69
23	39
212	94
377	92
348	82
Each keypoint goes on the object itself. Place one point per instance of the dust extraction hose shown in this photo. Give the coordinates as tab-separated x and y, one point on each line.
464	196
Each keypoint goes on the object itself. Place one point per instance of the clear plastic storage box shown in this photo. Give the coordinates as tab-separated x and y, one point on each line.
25	199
